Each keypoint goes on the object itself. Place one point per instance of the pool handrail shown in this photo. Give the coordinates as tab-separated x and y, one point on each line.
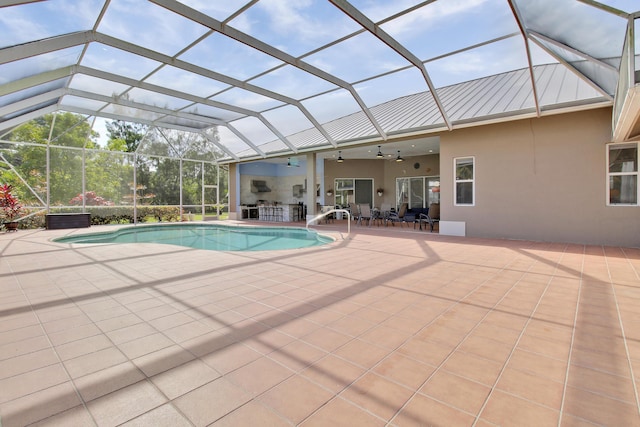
324	214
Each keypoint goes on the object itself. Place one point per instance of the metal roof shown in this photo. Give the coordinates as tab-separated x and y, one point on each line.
502	96
267	78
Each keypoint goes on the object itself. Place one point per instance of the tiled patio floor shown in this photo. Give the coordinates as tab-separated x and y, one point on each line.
388	327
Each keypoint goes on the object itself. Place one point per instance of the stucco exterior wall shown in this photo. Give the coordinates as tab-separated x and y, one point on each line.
541	179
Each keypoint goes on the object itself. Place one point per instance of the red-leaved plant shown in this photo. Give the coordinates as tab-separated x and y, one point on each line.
90	199
9	204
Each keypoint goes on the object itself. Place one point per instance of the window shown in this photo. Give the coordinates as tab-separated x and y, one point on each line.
464	181
622	173
418	192
353	190
344	191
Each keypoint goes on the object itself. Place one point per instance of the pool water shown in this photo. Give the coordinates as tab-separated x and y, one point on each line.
208	236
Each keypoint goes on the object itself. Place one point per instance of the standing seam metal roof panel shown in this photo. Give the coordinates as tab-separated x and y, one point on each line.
423	112
524	96
309	138
463	98
355	126
549	87
488	98
406	112
517	91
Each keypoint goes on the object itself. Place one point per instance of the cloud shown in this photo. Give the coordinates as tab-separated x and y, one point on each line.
246	99
19	27
491	59
286	15
74	13
332	105
469	63
358	58
29	22
149	25
433	15
294	26
376	11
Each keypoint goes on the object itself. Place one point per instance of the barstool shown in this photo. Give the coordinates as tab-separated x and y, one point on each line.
268	213
277	213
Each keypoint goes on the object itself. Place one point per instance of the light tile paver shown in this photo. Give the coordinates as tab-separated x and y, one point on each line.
389	327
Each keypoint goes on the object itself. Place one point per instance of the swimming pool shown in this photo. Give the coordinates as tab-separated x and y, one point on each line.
208	236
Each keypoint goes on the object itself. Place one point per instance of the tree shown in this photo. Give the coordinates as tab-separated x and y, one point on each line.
108	173
130	133
69	130
117	144
70	133
161	148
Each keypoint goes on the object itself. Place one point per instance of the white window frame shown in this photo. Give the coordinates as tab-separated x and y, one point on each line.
426	190
352	187
472	180
610	174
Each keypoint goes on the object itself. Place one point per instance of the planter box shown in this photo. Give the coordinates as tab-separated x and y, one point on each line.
67	220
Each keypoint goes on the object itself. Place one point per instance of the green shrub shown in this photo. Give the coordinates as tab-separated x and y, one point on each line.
105	215
101	215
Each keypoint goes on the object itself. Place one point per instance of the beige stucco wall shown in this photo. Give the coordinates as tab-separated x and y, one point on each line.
541	179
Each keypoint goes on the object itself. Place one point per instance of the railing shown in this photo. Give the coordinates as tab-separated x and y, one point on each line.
324	214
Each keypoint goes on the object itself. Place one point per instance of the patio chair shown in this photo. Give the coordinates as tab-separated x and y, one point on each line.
385	211
377	216
430	217
398	216
364	212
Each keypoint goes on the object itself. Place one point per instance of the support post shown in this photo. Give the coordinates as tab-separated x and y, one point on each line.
311	185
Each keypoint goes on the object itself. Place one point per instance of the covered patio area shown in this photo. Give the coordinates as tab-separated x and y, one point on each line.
389	326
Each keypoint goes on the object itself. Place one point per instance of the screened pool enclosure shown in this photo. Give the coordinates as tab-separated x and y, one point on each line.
218	83
55	162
